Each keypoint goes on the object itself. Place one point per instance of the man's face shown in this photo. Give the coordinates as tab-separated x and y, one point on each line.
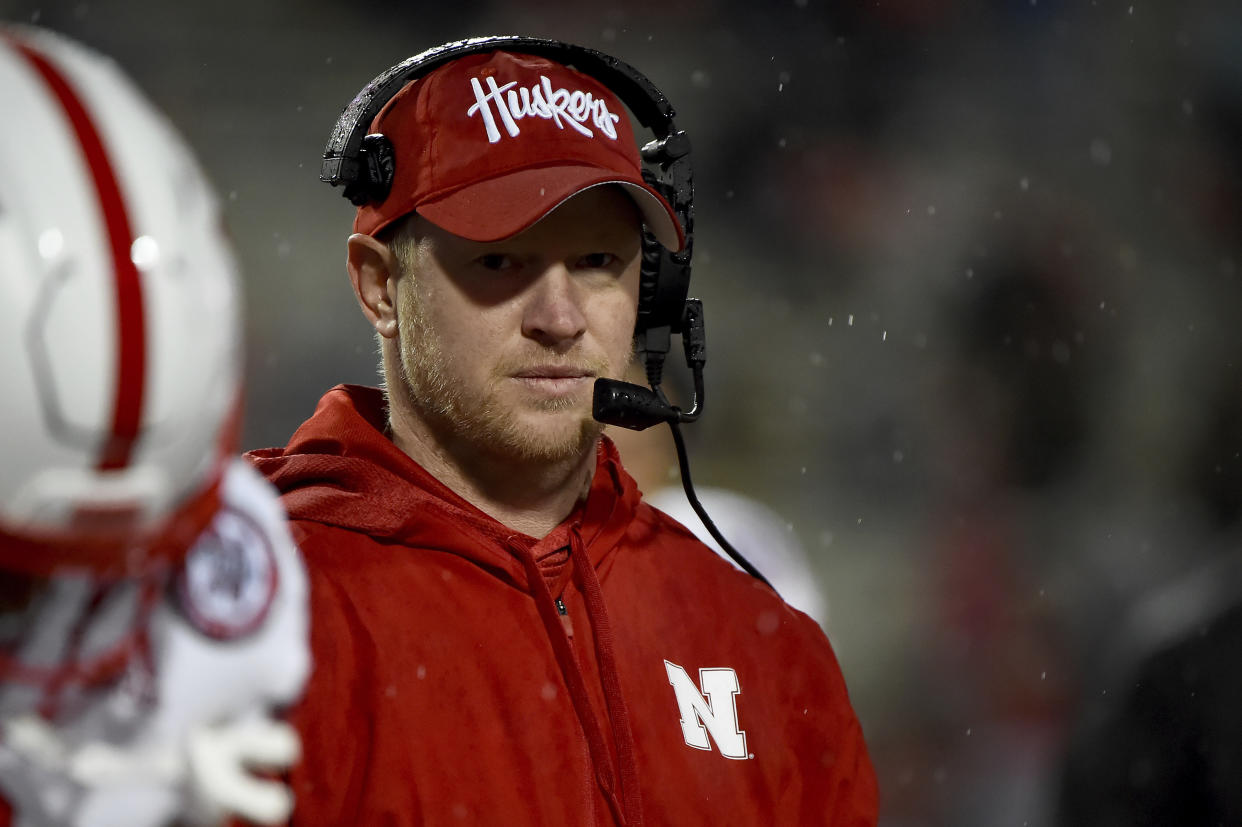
501	342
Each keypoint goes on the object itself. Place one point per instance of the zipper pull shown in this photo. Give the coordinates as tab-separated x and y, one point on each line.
566	621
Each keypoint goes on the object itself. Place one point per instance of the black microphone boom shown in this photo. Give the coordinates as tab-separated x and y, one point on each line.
630	406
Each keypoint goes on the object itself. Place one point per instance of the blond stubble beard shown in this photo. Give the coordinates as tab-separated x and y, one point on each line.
456	412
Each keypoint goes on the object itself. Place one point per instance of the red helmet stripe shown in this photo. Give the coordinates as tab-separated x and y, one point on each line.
130	315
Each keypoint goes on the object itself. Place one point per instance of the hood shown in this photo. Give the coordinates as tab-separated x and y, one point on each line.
341	469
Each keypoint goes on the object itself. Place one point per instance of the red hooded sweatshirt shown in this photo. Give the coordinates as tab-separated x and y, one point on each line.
615	672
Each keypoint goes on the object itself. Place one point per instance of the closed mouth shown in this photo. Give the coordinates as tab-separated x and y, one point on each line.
553	372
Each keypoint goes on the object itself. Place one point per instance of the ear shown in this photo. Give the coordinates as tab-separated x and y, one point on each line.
373	271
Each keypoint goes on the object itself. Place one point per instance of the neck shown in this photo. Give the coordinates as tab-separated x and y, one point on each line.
529	496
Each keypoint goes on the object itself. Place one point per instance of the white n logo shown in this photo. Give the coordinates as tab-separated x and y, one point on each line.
717	714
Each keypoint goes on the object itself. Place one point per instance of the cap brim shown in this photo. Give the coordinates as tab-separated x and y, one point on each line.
501	207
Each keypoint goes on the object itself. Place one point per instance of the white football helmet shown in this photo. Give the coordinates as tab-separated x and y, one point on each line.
120	353
152	600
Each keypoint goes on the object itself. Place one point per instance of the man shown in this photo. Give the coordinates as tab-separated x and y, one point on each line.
152	603
504	633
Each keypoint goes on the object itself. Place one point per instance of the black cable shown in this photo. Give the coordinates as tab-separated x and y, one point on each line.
684	462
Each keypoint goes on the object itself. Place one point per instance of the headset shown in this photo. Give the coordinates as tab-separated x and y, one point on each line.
364	164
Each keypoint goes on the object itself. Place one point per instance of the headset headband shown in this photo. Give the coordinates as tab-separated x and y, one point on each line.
340	156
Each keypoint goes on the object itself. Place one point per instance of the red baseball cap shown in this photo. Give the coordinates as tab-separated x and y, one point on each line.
488	144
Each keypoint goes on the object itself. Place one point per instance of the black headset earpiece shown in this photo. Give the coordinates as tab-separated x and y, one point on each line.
377	166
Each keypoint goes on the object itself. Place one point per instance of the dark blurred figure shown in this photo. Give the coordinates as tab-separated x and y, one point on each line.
1161	742
1163	745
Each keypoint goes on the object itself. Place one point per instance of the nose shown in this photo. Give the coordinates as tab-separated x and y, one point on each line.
554	315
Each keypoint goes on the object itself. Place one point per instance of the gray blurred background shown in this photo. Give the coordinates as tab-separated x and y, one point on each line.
971	273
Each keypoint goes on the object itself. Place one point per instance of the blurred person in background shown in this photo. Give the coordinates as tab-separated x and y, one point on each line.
152	601
1011	423
507	633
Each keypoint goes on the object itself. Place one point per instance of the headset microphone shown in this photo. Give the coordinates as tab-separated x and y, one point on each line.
632	406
